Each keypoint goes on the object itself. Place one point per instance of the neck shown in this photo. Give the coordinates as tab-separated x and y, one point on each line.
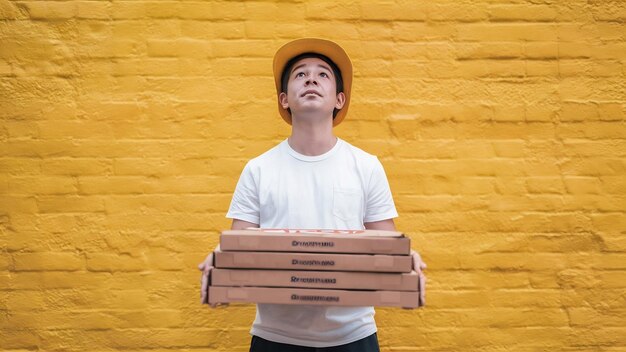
311	138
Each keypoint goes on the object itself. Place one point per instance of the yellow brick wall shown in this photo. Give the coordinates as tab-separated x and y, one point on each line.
125	125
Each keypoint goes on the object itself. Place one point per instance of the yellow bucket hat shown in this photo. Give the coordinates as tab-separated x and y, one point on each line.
319	46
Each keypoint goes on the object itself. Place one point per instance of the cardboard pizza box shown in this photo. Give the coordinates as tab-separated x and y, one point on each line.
313	261
319	241
284	295
316	279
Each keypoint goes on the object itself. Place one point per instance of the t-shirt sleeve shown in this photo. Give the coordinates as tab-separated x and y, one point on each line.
245	203
380	205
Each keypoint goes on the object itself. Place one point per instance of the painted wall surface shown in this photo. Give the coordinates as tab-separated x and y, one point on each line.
125	126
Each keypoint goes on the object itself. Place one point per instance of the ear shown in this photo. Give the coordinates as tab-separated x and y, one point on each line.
282	99
341	100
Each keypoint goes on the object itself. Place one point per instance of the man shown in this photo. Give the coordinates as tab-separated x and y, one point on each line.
312	180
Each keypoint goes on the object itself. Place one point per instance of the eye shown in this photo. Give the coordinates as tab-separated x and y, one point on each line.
324	74
300	74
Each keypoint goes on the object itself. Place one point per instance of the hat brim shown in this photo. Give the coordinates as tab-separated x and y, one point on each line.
320	46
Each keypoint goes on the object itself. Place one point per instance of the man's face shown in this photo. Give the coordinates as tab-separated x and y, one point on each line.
312	89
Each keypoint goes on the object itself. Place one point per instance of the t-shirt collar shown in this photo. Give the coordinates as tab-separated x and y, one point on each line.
309	158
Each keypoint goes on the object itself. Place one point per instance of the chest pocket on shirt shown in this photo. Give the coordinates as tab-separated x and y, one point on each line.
347	203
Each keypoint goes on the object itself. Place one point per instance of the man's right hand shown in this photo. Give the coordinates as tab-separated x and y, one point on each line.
206	267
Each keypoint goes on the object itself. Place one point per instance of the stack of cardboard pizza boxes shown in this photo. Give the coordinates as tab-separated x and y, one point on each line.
314	267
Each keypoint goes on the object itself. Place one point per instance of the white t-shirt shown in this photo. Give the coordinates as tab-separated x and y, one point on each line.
340	189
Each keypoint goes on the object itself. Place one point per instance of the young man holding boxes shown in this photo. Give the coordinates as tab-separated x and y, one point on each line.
312	180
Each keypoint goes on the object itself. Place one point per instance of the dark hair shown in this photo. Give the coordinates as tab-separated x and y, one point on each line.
284	78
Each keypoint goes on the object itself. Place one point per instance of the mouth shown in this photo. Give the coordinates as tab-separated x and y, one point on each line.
311	92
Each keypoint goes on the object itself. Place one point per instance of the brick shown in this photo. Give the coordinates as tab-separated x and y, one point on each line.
405	67
25	149
508	149
60	204
128	29
21	204
509	113
425	150
107	48
377	31
474	150
609	261
63	320
542	68
179	202
510	185
611	111
20	166
613	242
562	243
5	68
542	185
507	32
24	301
611	50
278	12
267	29
19	339
179	48
543	51
477	185
531	13
422	31
322	29
587	148
591	202
198	10
9	11
591	130
240	67
378	11
230	30
410	11
608	31
331	10
67	129
42	185
57	223
21	129
76	166
538	113
613	184
582	185
575	50
174	222
587	316
578	279
114	262
114	185
162	9
610	11
611	223
489	50
92	10
5	263
126	10
197	29
165	260
47	261
135	339
457	12
42	10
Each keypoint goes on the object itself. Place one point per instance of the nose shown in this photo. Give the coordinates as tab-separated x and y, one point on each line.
311	80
